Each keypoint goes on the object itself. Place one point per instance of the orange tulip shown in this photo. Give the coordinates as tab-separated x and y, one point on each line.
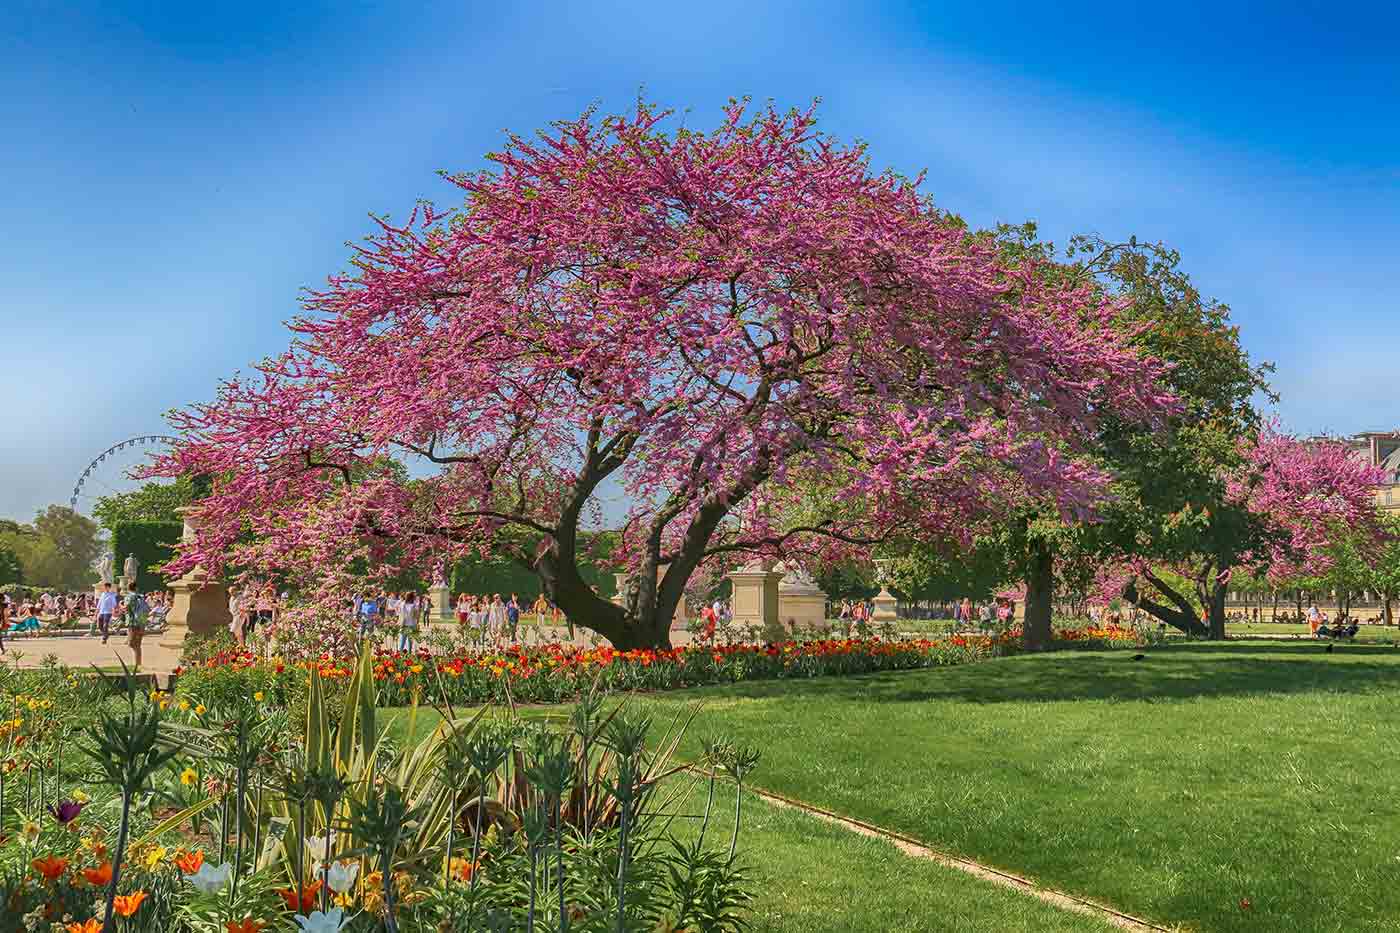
93	925
50	867
246	925
128	904
189	862
303	903
100	875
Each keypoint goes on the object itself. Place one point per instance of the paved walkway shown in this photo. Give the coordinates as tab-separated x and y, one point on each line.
82	651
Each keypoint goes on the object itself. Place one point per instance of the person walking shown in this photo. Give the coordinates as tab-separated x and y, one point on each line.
106	605
408	621
496	616
513	616
367	611
464	610
136	608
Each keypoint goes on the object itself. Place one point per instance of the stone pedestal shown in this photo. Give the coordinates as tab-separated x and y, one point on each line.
620	581
801	603
884	607
755	599
441	597
200	604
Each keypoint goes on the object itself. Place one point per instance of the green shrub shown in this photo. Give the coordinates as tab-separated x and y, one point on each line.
153	543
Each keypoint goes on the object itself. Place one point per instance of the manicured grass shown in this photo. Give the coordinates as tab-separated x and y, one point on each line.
813	877
1174	788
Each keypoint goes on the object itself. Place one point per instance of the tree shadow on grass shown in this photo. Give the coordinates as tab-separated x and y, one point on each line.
1166	673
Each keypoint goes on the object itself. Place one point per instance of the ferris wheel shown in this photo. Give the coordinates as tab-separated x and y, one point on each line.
109	473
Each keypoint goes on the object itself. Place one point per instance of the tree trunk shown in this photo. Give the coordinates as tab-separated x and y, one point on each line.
1274	616
1182	617
1036	632
1216	604
1388	619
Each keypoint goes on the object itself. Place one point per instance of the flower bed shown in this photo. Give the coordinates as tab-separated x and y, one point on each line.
554	673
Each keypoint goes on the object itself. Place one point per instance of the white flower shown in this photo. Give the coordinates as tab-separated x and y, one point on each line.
319	847
329	922
210	879
341	875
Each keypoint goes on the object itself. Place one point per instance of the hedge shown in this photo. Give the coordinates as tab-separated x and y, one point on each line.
153	543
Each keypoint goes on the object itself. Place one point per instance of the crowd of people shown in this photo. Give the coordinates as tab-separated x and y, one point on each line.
495	618
109	610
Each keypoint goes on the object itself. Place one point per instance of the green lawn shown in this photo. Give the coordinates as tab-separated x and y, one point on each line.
1173	788
814	877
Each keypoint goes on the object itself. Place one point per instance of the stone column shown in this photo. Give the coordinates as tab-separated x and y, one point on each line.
801	603
755	599
201	602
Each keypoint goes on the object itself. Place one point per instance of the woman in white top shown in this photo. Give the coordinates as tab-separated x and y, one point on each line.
496	615
235	624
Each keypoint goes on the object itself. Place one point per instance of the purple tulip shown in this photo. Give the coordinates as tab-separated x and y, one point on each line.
67	811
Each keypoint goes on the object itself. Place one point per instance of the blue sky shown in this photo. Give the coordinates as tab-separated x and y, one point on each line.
175	173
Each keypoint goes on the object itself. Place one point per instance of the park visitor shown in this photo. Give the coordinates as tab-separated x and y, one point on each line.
106	605
496	616
367	611
513	616
408	621
464	608
136	609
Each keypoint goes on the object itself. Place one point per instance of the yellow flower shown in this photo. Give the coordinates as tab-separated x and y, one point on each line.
153	857
189	777
33	705
30	831
258	695
164	703
184	705
46	704
199	710
81	796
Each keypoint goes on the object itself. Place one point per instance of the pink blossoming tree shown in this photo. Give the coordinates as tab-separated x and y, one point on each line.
1285	501
705	321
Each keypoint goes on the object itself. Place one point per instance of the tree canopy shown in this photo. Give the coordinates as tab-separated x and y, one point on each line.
702	317
56	550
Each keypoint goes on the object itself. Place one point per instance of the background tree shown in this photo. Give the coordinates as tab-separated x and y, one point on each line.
1281	509
707	319
56	550
11	570
1158	469
152	502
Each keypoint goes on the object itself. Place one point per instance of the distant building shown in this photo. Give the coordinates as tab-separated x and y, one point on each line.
1382	449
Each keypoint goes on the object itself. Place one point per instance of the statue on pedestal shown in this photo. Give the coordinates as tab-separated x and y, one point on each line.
884	602
129	569
104	567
